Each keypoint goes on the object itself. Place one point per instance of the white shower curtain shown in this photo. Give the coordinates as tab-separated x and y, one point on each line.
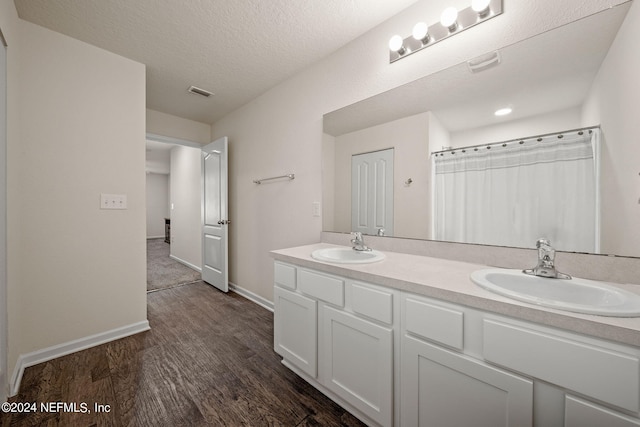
512	195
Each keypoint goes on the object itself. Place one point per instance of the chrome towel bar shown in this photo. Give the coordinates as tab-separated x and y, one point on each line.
259	181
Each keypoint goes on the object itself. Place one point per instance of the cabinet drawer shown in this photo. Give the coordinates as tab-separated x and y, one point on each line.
285	275
580	413
578	365
323	287
371	302
434	322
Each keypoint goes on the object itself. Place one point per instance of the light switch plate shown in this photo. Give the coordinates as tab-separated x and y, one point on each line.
113	201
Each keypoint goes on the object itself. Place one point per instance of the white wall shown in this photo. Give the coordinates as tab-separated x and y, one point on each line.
439	136
184	195
74	270
157	190
409	138
281	131
9	27
541	124
176	127
614	103
328	181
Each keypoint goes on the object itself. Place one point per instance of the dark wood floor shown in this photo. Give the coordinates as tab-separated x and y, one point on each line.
208	360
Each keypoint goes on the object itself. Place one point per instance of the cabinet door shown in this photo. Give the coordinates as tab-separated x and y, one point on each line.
295	332
443	388
358	355
580	413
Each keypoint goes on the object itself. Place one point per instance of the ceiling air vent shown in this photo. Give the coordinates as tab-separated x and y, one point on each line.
483	62
199	91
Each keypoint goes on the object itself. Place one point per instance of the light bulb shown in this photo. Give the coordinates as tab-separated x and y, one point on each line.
421	32
449	17
503	111
481	7
395	44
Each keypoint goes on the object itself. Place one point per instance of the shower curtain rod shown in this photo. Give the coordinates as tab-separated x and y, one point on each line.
520	140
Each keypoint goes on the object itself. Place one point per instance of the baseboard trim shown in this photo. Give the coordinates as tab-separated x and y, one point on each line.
50	353
188	264
155	237
263	302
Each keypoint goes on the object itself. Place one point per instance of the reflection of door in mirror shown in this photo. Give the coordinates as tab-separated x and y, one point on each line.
372	193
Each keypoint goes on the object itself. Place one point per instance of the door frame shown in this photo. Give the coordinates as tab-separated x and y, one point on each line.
4	321
177	142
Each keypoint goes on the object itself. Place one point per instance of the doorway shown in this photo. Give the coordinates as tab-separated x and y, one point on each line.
173	212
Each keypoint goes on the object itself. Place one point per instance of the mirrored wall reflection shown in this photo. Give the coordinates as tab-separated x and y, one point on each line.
510	193
565	79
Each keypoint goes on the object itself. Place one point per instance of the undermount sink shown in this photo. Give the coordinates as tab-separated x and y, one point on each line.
347	255
576	295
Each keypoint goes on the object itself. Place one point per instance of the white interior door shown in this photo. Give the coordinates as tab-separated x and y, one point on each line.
215	222
372	192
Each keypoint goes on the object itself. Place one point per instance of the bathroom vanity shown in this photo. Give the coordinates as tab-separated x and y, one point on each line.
410	341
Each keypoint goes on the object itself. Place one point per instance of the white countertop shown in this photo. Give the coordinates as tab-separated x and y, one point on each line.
449	281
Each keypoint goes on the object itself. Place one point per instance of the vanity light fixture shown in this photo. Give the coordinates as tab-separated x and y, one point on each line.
452	21
503	111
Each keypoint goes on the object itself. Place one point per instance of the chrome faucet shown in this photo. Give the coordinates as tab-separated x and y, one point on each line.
358	242
546	259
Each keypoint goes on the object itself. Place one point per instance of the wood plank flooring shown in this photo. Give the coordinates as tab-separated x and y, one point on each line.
208	360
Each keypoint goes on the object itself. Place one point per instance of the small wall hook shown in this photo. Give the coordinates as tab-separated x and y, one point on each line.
408	182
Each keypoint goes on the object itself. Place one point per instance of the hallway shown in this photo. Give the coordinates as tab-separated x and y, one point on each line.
164	272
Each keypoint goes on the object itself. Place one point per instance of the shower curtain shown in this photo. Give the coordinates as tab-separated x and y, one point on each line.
511	194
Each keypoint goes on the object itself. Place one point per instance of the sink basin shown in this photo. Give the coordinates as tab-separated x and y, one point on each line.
576	295
347	256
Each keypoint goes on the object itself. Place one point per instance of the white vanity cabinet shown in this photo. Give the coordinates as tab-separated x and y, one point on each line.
594	382
581	413
339	335
441	386
392	357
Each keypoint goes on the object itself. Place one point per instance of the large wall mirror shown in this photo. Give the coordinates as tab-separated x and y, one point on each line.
574	95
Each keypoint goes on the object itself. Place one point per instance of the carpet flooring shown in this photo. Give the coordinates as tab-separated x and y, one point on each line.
164	272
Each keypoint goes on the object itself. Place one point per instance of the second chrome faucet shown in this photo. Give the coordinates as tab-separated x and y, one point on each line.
546	262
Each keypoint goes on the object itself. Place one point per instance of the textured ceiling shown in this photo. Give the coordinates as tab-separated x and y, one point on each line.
237	49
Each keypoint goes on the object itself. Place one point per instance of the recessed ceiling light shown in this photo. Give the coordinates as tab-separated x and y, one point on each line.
503	111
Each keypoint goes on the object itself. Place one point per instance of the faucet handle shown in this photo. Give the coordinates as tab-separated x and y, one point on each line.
357	234
543	242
